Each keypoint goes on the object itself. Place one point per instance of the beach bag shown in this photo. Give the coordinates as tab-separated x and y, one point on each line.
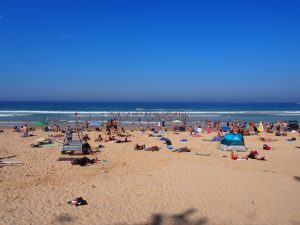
266	147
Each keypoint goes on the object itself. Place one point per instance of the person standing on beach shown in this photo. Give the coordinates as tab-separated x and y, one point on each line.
278	126
158	126
285	128
163	124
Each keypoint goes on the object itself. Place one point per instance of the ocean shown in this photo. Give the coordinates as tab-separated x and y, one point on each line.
18	113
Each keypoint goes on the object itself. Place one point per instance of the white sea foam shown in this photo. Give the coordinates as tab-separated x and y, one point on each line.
6	113
13	114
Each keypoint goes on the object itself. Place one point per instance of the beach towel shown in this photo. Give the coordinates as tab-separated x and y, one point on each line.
217	138
196	135
59	136
210	140
201	154
7	162
183	140
104	161
51	145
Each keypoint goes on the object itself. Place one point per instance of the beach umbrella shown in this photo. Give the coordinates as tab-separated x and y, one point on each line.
260	128
176	121
252	124
94	123
247	124
225	128
41	123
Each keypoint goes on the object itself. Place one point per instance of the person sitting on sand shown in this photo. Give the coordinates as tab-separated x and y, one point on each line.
56	128
17	129
25	131
99	138
139	147
142	129
110	138
191	130
168	142
86	137
87	149
154	135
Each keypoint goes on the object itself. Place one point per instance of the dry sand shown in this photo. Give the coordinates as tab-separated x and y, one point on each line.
138	187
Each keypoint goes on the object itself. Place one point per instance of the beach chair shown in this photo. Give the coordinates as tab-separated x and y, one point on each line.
72	145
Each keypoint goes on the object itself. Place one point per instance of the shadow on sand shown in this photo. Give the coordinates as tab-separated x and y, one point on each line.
183	218
297	178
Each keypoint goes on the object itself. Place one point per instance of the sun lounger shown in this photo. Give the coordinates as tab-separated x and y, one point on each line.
70	148
72	145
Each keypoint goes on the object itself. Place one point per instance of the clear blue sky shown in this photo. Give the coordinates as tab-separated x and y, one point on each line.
150	50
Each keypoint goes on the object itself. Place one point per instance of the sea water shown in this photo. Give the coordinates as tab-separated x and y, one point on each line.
17	113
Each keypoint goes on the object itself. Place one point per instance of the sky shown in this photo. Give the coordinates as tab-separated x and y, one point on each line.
204	51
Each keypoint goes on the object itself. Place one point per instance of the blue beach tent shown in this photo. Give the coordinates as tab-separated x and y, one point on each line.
233	142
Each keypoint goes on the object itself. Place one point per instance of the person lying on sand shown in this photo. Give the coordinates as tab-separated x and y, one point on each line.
183	149
267	139
124	135
253	155
143	147
122	141
152	148
41	141
154	135
235	156
84	161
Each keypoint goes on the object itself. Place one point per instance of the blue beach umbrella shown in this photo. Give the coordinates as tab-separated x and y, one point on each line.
225	128
94	123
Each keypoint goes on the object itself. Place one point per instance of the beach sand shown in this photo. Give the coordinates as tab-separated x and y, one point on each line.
139	187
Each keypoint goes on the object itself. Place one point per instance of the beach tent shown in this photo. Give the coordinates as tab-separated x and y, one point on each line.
233	142
260	128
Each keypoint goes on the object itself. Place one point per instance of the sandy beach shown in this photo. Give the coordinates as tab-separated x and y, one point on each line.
139	187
